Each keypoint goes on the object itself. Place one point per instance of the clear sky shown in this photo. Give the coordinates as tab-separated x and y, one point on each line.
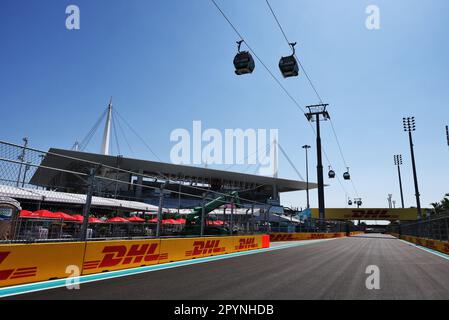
167	63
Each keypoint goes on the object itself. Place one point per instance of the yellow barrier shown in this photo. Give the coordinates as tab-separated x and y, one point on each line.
191	248
24	263
304	236
115	255
356	233
247	243
442	246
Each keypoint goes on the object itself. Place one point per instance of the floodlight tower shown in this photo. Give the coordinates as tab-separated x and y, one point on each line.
409	126
398	163
314	114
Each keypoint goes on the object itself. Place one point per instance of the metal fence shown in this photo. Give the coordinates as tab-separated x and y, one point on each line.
18	165
435	227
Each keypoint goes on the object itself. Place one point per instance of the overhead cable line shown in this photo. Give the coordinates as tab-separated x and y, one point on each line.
295	101
312	86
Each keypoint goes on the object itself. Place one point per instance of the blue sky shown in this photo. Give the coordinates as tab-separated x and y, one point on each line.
167	63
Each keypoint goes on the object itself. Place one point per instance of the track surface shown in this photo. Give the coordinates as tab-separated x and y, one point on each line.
328	270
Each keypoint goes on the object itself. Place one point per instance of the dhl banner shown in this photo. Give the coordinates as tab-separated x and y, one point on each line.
24	263
274	237
192	248
367	214
115	255
442	246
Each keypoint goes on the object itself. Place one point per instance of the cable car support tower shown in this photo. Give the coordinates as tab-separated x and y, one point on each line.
315	111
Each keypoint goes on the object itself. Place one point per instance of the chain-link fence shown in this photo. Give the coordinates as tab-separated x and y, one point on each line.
65	198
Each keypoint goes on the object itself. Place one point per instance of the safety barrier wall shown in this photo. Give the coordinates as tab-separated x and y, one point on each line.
26	263
356	233
442	246
304	236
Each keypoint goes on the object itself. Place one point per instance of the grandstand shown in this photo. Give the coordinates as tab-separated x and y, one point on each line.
190	181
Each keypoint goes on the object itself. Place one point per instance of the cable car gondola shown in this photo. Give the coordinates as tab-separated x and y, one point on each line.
359	203
243	61
331	173
350	202
288	65
346	175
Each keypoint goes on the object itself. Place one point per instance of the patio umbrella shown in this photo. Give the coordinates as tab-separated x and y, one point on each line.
95	220
154	220
65	216
181	221
136	219
169	221
78	217
25	213
45	214
117	219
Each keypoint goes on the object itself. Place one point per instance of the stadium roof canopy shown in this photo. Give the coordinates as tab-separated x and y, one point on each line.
67	159
72	199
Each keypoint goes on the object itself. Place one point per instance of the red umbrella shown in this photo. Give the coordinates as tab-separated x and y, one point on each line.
25	214
65	216
117	219
154	220
181	221
136	219
95	220
43	214
169	221
78	217
218	223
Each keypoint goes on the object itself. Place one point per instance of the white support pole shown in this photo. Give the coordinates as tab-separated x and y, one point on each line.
107	131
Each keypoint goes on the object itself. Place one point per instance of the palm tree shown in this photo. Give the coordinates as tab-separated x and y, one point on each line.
437	207
445	202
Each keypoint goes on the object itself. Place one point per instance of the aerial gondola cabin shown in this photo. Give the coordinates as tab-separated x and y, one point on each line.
288	65
244	63
331	174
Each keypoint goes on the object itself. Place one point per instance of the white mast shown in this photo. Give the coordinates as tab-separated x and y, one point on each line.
275	156
107	131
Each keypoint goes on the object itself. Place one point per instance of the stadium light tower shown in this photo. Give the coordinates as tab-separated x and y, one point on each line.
315	111
398	163
307	147
409	126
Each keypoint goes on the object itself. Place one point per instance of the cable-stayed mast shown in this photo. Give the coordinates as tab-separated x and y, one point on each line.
107	131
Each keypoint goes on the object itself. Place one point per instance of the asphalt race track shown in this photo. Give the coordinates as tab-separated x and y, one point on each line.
328	270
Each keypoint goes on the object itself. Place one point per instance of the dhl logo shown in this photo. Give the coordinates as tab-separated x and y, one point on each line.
246	243
201	247
281	237
15	273
371	214
120	255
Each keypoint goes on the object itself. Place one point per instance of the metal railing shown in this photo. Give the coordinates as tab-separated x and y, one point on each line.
435	227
